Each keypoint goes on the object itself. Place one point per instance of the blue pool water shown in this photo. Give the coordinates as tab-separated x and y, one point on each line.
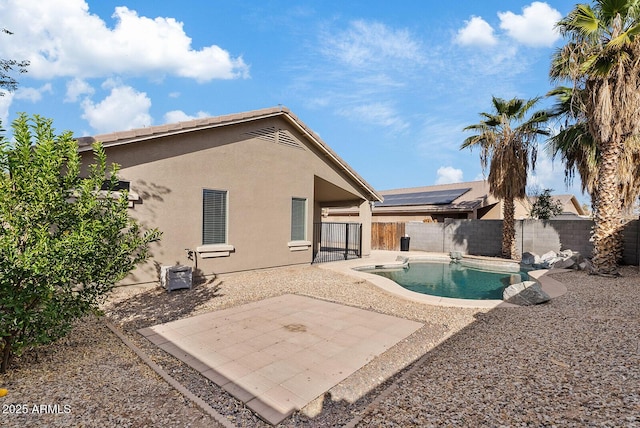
453	280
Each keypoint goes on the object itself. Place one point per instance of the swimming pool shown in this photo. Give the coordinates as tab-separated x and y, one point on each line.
451	279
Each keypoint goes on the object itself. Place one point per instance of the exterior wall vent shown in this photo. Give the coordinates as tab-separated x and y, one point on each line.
267	134
285	137
274	135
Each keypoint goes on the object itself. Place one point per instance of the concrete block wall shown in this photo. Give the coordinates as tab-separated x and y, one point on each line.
631	239
474	236
426	236
484	237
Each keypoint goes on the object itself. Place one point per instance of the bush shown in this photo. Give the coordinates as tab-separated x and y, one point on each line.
545	206
64	243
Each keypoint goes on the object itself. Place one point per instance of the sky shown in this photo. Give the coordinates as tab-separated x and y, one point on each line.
389	86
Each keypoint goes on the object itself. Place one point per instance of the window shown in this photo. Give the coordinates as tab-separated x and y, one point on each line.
214	217
298	219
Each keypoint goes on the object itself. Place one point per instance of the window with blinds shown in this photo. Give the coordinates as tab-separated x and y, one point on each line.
298	219
214	217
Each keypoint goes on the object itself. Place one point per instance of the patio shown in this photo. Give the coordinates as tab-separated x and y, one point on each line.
572	362
278	354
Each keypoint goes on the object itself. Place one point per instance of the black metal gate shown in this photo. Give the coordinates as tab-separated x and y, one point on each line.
336	241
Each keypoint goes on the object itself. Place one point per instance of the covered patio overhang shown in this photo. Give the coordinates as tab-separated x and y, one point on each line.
331	195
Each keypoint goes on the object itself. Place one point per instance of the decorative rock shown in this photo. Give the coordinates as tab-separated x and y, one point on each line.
565	259
525	293
548	255
530	258
564	263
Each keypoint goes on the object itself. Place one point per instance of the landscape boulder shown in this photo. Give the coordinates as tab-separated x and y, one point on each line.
565	259
525	293
530	258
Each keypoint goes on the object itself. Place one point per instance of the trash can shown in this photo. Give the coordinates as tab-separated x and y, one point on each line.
404	243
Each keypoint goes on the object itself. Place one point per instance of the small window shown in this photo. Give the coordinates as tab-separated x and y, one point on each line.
214	217
298	219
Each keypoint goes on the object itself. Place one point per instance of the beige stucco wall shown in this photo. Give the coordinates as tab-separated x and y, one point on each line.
260	177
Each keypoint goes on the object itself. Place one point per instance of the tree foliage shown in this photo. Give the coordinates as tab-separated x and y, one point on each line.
64	243
507	141
580	154
545	206
9	66
601	59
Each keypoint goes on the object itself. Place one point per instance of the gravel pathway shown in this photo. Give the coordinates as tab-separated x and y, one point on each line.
573	362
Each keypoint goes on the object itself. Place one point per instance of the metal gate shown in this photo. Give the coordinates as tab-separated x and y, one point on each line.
336	241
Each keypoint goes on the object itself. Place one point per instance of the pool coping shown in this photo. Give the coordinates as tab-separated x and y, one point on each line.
549	285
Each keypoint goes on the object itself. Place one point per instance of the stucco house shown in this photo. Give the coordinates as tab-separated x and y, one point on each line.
235	192
466	200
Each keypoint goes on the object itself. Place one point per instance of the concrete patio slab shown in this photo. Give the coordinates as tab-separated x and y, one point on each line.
278	354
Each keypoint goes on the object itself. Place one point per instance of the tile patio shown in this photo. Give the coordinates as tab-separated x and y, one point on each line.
278	354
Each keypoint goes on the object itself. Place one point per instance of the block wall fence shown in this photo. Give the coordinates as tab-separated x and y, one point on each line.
484	237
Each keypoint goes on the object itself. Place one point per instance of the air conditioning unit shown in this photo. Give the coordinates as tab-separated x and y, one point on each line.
176	277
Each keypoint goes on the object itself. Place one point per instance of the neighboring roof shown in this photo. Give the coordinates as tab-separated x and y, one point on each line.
565	200
153	132
433	197
460	197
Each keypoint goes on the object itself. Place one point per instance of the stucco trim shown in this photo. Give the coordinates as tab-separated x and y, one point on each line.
215	250
299	245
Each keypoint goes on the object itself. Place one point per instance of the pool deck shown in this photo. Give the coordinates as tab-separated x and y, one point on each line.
380	257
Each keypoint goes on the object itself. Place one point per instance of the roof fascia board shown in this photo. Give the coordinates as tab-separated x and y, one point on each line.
179	131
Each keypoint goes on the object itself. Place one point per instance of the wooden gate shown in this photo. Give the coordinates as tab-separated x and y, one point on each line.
386	236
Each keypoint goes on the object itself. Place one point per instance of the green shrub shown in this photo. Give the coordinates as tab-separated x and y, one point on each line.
63	242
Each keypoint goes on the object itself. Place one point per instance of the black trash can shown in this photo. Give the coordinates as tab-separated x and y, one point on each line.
404	243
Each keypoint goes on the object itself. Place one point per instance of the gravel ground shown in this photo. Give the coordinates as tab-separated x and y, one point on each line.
572	362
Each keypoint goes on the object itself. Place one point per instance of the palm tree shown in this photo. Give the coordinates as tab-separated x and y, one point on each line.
573	143
579	152
602	61
507	138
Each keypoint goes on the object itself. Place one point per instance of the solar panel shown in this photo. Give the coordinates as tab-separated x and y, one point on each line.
434	197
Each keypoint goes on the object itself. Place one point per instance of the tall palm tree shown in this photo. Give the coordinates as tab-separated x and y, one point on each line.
579	152
602	60
507	141
573	143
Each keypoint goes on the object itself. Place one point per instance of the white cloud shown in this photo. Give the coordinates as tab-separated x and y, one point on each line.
124	108
32	94
476	32
365	43
6	98
549	174
77	88
378	114
62	38
535	27
180	116
449	174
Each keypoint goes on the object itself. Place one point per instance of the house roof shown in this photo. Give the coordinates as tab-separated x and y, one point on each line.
461	197
153	132
565	200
